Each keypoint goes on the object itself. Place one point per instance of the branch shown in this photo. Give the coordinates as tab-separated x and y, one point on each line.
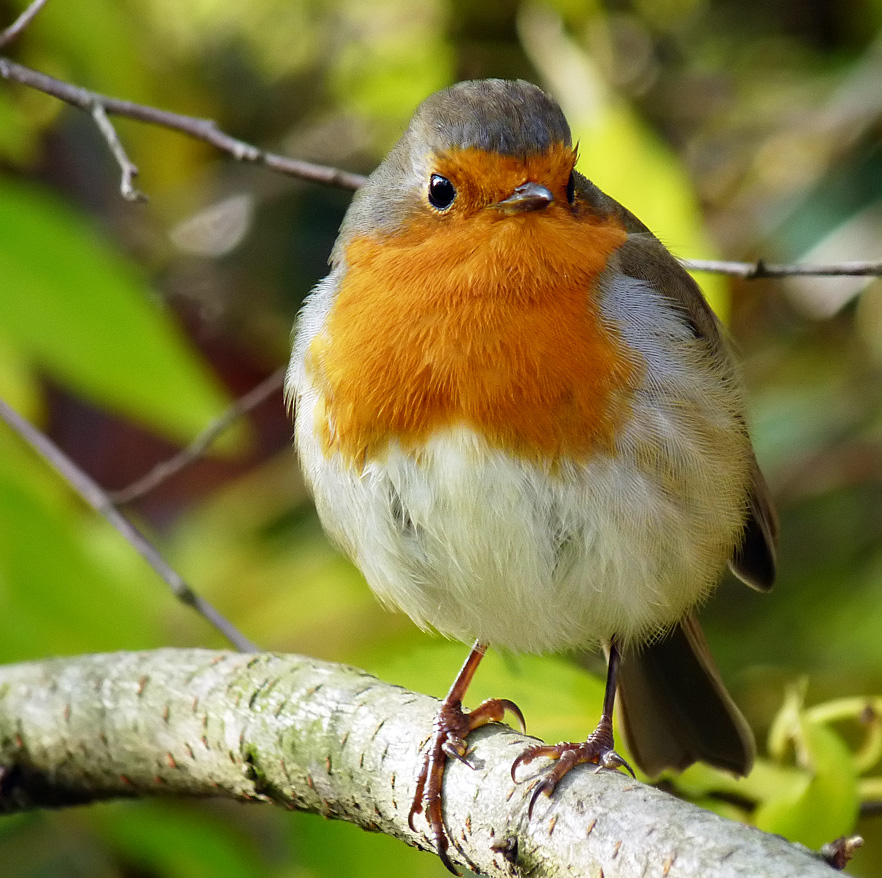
197	448
20	23
207	131
330	739
760	269
129	169
95	496
201	129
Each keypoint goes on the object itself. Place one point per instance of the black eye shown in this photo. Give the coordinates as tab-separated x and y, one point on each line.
571	188
441	192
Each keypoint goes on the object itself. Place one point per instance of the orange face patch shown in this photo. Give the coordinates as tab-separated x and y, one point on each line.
480	318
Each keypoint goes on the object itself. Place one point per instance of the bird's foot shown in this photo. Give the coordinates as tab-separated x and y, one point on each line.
598	748
449	732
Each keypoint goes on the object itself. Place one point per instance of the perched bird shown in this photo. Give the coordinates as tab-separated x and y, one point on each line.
519	417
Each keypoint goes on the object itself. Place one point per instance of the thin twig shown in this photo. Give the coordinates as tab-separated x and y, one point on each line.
167	468
760	269
93	494
127	166
207	131
20	23
202	129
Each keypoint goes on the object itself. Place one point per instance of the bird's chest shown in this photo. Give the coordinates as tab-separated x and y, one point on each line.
517	353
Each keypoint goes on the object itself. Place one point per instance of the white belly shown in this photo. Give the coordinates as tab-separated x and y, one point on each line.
481	547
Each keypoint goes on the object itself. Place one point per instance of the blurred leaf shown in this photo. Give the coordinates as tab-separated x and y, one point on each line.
101	47
63	598
765	780
401	56
824	803
16	134
617	151
865	712
18	384
69	300
176	841
332	849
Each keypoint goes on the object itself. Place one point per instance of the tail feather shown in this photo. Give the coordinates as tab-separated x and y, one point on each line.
675	710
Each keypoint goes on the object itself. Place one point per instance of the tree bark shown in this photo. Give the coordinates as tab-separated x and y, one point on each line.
331	739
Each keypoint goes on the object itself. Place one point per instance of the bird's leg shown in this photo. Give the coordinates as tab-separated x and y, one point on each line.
598	748
449	732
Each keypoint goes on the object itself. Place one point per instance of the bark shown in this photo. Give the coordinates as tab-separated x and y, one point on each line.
327	738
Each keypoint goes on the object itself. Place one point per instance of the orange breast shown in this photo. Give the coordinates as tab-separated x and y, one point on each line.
484	320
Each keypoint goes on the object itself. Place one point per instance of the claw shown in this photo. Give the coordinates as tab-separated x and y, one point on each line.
544	787
598	749
529	755
448	741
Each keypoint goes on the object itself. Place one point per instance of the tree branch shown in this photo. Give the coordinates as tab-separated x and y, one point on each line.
129	169
20	23
207	131
202	129
197	448
327	738
96	497
761	269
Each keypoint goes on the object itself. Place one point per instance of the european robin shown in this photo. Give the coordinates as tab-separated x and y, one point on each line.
520	418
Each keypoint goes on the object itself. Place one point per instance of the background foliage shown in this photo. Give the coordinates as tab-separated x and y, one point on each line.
740	129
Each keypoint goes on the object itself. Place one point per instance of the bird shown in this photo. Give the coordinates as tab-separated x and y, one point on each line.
522	421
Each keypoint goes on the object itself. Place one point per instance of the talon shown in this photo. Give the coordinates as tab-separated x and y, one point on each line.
450	730
598	749
540	789
527	757
515	711
457	750
611	760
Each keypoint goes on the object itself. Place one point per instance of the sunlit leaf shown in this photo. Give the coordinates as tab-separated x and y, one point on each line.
85	314
824	803
63	598
617	150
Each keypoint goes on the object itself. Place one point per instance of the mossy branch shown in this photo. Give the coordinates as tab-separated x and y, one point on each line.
314	736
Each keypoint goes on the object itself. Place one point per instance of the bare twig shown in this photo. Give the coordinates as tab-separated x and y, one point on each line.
207	131
127	166
202	129
167	468
20	23
93	494
760	269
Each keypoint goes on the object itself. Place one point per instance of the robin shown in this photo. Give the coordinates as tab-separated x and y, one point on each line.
521	420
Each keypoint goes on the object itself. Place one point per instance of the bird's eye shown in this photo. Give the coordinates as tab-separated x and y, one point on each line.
441	192
571	188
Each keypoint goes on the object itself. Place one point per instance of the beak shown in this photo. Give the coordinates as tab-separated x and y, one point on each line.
528	196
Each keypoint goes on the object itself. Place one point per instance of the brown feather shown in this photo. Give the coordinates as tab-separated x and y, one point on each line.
675	710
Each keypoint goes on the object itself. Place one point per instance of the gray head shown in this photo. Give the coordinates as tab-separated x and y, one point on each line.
509	118
512	118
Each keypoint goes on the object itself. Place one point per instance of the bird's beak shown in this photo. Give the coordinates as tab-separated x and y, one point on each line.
528	196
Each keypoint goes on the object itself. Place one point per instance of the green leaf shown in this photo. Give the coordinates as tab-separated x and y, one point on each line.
179	841
332	848
617	150
824	803
18	384
84	313
65	590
